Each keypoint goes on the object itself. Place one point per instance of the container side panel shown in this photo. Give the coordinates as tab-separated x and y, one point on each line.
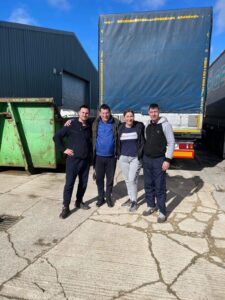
10	151
37	124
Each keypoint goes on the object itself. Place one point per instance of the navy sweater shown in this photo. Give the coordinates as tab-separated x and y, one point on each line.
78	137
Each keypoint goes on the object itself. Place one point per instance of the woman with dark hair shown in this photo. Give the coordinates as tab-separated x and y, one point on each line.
130	150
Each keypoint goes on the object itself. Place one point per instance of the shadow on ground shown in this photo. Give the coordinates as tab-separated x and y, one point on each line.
178	188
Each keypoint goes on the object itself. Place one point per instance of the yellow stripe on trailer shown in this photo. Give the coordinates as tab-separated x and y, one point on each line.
187	130
199	121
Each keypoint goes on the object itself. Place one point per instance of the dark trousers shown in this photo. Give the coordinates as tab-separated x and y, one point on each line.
105	166
75	167
155	182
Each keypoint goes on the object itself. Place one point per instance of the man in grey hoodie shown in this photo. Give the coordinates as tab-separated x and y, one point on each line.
158	152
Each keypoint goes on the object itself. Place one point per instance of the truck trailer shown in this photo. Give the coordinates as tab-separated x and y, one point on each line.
158	57
214	122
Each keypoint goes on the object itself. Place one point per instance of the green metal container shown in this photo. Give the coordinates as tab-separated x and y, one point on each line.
27	126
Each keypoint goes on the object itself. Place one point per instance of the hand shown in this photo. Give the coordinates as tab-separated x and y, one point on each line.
165	165
69	152
68	123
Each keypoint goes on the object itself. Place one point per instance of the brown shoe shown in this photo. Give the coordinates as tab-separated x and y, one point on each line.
82	205
64	213
109	202
100	202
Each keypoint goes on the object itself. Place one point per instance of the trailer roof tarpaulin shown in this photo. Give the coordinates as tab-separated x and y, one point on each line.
155	57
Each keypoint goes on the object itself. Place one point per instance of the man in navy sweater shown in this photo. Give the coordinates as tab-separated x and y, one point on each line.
78	159
104	137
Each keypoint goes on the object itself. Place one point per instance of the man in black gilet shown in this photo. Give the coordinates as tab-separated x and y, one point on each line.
158	152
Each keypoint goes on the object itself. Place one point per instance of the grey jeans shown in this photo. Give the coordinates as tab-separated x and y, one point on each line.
130	167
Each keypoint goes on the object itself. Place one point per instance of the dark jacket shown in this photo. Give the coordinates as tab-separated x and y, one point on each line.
79	139
141	139
115	125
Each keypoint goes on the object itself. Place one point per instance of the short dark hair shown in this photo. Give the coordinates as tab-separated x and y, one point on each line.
153	105
128	111
104	106
84	106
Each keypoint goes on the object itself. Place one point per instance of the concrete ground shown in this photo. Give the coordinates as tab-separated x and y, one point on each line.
109	253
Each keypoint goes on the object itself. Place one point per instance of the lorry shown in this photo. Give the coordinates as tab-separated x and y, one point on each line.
158	57
214	121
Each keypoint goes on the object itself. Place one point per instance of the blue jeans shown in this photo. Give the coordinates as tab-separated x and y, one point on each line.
155	182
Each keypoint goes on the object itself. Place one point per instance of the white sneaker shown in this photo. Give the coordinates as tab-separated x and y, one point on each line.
161	218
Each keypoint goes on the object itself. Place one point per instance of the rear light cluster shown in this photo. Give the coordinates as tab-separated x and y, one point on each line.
184	150
186	146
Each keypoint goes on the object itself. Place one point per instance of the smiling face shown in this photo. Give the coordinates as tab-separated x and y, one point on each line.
83	114
154	114
105	114
129	119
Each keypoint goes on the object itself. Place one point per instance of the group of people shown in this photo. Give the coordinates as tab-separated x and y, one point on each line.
107	140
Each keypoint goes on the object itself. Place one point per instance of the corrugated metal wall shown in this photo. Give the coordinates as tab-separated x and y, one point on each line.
75	92
28	56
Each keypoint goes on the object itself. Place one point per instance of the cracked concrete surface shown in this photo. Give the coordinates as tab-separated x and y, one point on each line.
7	251
110	253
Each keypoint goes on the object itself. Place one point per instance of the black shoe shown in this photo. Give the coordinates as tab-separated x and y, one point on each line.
64	213
109	202
100	202
133	206
82	205
127	203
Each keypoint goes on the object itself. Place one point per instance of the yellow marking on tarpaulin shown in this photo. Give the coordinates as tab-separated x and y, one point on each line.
204	75
157	19
145	20
188	17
